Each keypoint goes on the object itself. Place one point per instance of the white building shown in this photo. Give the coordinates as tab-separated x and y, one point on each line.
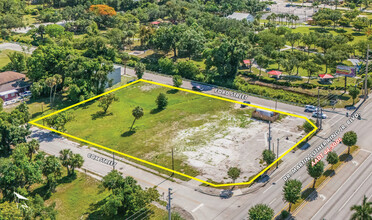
114	77
241	16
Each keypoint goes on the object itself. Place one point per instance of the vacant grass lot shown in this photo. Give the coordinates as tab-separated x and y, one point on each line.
152	137
4	59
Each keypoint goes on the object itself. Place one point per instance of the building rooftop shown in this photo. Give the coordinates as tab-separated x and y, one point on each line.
10	76
239	16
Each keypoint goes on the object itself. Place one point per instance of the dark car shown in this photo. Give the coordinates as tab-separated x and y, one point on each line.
195	88
225	194
288	5
131	81
246	102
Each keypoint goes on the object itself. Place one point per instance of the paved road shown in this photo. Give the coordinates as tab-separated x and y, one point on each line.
353	182
17	47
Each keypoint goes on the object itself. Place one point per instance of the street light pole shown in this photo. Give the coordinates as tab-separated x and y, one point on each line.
366	76
269	138
277	153
169	206
172	161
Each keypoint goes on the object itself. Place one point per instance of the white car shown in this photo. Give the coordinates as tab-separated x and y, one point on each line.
319	115
310	108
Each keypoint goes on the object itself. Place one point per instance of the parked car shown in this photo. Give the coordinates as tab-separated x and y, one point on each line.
195	88
288	5
131	81
246	102
319	115
268	9
225	194
310	108
27	93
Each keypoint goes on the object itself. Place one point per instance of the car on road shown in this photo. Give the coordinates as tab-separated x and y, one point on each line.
319	115
310	108
288	5
246	102
195	88
268	9
225	194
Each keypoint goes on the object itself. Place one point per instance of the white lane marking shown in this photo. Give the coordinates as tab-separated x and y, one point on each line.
272	201
322	196
355	191
366	151
268	188
336	121
198	207
340	187
355	163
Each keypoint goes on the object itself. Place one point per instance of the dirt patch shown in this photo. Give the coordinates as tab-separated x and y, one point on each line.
226	142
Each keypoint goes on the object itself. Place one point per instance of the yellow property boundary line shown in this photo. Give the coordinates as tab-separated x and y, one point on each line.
33	122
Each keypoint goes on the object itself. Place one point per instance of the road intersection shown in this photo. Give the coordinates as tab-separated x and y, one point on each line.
209	205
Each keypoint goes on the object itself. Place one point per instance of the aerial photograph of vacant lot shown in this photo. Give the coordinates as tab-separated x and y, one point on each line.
208	136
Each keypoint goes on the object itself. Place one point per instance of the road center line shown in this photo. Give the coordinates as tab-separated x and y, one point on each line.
272	201
268	188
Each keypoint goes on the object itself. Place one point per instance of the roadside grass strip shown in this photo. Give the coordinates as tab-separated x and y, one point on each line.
33	122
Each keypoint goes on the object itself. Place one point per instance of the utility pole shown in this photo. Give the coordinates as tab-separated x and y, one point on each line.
169	206
113	160
277	153
317	110
269	138
366	76
172	162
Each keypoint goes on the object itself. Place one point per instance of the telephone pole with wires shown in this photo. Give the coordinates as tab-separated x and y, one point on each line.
366	76
169	206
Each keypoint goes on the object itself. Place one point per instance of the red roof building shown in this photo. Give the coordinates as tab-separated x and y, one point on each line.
11	84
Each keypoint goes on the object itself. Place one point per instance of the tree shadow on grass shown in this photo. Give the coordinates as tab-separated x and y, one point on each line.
358	34
128	133
100	114
42	191
95	210
346	157
320	30
67	179
172	91
155	111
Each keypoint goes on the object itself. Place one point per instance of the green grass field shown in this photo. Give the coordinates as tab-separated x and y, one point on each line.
155	131
81	198
4	59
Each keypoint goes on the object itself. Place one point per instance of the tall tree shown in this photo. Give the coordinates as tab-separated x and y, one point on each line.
349	139
362	212
332	158
268	156
161	101
139	69
226	57
234	173
52	169
292	38
106	101
292	192
315	171
137	114
33	146
354	92
261	212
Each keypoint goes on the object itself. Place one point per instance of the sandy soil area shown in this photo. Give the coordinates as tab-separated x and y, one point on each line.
226	142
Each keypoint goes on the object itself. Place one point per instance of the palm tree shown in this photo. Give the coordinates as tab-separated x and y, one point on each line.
58	80
362	212
65	158
50	82
137	114
33	146
76	161
295	18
